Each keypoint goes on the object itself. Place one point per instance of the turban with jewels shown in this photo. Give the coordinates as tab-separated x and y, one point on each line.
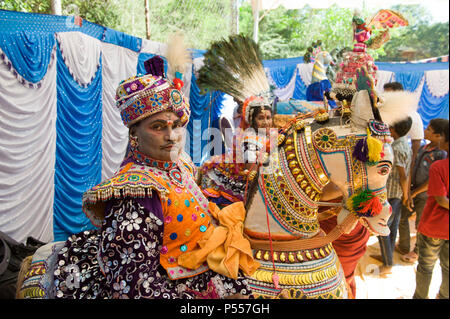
141	96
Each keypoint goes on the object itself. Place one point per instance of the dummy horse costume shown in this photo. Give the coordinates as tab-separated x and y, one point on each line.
283	199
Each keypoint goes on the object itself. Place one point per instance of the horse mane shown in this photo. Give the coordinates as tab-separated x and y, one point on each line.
396	106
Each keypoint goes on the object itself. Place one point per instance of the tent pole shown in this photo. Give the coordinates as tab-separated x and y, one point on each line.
56	7
147	19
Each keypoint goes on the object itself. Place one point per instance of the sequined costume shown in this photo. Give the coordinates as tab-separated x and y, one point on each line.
134	253
157	236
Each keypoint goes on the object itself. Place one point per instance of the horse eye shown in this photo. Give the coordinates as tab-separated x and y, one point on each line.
384	170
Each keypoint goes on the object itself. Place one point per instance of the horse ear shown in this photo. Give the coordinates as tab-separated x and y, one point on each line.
364	81
361	108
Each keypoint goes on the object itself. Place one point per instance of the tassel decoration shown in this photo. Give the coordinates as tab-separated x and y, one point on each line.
361	150
364	204
375	147
276	280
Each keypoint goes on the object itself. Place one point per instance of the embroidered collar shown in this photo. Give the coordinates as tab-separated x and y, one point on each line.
145	159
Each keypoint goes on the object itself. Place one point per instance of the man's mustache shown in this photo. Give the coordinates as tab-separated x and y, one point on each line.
170	143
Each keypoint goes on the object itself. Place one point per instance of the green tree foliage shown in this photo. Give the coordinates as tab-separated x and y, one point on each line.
103	12
201	21
426	39
287	33
38	6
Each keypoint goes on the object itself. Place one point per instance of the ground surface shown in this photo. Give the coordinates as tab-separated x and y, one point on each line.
398	285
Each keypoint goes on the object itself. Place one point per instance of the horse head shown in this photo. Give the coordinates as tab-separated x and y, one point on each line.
352	153
366	177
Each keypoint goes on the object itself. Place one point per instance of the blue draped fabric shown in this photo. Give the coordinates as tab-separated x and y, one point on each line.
282	70
300	88
205	109
282	75
431	107
78	163
411	67
29	52
122	39
409	80
316	90
197	53
280	62
13	21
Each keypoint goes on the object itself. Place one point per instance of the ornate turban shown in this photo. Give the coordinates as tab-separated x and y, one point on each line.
139	97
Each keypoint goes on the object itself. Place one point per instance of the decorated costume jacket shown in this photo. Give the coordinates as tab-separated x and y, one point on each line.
156	239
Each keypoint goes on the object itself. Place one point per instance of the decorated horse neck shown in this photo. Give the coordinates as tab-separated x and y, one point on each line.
292	184
320	67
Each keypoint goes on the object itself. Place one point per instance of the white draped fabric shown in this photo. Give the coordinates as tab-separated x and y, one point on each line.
118	64
81	54
418	92
153	47
305	72
383	77
27	155
286	92
437	81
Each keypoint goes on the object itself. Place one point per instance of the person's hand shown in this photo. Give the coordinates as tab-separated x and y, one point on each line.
413	194
408	203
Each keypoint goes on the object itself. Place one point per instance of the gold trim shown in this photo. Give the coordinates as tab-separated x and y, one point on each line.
308	278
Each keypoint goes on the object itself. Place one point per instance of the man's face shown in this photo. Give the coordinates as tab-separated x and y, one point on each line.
160	136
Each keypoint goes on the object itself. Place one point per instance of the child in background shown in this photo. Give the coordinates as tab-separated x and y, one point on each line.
397	189
433	232
426	155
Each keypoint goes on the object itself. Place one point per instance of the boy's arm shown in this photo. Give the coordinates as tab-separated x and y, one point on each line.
442	201
422	188
404	184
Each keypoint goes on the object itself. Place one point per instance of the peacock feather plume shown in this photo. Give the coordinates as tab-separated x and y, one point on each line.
234	66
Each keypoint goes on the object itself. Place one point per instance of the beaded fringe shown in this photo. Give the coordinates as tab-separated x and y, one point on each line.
135	192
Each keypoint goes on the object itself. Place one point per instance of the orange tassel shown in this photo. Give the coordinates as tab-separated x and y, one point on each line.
373	206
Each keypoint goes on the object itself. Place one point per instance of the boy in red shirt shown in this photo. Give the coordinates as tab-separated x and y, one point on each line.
433	230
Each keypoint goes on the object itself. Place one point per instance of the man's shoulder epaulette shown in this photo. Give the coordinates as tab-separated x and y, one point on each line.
132	180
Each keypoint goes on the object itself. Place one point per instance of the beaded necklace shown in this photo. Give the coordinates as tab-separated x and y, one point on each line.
172	168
